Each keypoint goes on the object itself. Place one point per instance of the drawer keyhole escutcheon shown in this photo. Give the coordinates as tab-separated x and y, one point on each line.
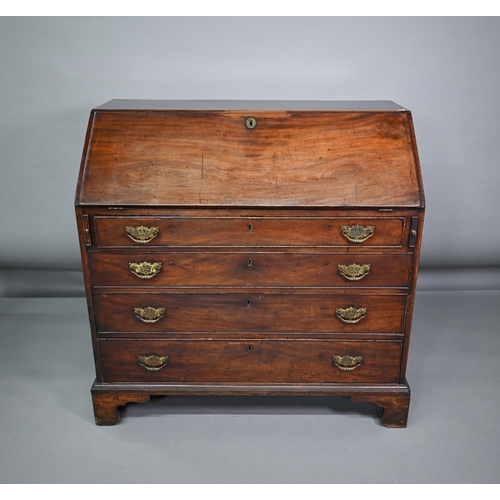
350	314
149	314
250	263
354	272
142	234
250	228
249	348
145	270
153	362
357	234
249	303
251	122
347	363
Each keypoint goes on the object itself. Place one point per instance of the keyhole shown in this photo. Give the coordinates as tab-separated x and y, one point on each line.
249	348
250	228
251	122
249	303
250	263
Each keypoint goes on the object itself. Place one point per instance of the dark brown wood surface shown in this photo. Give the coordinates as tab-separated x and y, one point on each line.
210	158
248	231
250	269
393	399
249	240
250	361
249	312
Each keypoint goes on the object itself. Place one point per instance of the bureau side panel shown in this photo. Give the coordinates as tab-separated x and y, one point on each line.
84	238
411	294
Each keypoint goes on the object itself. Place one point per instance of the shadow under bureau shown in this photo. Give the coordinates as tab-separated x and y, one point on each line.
250	248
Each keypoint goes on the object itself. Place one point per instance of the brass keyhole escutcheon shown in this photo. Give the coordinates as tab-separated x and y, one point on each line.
250	228
251	122
250	263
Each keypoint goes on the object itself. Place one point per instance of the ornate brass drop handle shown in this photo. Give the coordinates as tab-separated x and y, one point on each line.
354	272
142	234
153	362
149	314
357	234
350	314
145	270
347	363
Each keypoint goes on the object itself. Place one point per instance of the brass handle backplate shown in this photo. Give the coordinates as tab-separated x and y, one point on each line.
354	272
145	270
347	363
153	362
149	314
350	314
357	234
142	234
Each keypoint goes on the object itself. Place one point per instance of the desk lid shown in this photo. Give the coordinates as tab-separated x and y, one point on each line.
311	154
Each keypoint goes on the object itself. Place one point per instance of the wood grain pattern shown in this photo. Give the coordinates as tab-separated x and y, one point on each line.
395	407
107	405
392	398
247	231
210	158
250	269
250	361
249	241
249	312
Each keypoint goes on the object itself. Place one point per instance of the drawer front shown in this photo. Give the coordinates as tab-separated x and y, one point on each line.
261	269
248	231
245	313
250	361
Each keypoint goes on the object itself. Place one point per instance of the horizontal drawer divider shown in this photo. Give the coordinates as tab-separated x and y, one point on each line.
184	336
290	290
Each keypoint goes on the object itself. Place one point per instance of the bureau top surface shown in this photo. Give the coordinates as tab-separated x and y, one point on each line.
307	154
242	105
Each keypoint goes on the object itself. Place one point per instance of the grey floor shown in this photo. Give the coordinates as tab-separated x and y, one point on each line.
47	432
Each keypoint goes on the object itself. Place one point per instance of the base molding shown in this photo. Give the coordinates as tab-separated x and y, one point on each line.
393	399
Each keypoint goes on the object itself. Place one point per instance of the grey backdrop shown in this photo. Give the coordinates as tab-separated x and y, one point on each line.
54	70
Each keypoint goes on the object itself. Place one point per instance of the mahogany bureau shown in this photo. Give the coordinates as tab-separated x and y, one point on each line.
250	248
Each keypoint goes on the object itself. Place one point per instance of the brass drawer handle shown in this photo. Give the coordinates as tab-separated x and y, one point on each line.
145	270
347	363
149	314
354	272
152	362
142	234
357	234
350	314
